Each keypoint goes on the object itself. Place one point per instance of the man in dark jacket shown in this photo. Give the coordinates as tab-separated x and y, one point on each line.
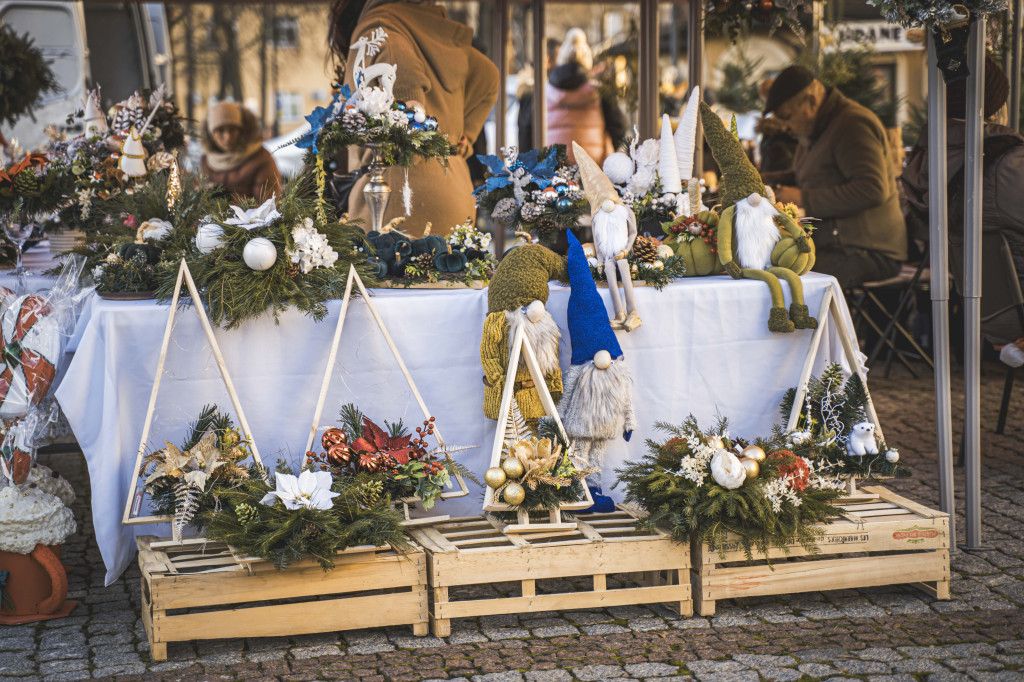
841	175
1002	208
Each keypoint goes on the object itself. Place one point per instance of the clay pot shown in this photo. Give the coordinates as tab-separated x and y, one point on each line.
37	585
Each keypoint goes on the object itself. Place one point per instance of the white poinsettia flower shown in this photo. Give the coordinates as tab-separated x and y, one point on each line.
727	470
374	101
252	218
310	489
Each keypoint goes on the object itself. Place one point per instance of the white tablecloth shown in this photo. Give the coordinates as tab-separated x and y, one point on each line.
704	348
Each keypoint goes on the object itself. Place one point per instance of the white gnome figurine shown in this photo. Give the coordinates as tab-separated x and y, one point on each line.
597	393
95	122
614	227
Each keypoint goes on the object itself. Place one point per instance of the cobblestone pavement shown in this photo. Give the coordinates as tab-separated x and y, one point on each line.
892	633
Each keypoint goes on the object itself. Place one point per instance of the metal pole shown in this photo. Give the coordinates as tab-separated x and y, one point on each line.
972	282
500	35
939	260
817	20
540	75
695	60
648	63
1015	48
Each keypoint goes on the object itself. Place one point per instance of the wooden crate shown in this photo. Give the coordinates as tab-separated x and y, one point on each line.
204	591
887	540
475	551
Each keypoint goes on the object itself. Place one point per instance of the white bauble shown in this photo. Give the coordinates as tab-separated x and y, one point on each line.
260	254
892	455
665	251
208	237
727	470
618	167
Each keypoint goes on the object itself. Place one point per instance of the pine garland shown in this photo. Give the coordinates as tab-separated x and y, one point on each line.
400	146
674	268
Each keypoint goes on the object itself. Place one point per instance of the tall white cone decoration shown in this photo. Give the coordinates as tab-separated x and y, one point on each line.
95	122
133	155
668	167
686	134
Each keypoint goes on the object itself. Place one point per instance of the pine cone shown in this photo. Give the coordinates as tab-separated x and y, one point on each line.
530	212
505	210
26	182
353	121
293	270
425	262
645	249
547	225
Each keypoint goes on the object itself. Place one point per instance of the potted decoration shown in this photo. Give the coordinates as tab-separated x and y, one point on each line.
461	259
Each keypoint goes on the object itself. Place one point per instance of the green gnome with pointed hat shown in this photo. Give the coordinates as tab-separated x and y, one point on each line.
755	240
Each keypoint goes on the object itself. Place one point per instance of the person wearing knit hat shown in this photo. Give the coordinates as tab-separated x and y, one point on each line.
842	174
516	297
614	227
597	399
234	156
750	242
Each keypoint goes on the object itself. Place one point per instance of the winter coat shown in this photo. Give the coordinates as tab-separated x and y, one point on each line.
844	173
438	67
576	112
1002	211
255	175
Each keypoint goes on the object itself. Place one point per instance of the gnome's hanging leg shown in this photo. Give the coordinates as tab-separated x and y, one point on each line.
613	288
591	451
632	320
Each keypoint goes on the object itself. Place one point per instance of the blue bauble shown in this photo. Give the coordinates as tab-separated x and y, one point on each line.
398	106
562	190
563	205
410	116
417	126
430	123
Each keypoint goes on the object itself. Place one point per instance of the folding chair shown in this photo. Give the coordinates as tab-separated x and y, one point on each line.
1000	273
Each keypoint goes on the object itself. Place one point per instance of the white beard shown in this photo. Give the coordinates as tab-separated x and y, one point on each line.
597	402
543	335
756	234
611	232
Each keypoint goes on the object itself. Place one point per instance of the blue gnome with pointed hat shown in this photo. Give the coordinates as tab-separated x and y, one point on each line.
597	394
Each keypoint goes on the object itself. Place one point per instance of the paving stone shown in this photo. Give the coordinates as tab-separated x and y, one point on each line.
627	612
17	643
603	629
744	676
303	652
68	652
131	669
592	673
973	663
816	670
700	667
411	642
932	652
878	654
264	655
68	676
763	660
971	649
948	677
548	676
505	633
466	637
891	678
62	666
647	624
498	677
819	655
779	674
690	623
651	669
564	630
730	619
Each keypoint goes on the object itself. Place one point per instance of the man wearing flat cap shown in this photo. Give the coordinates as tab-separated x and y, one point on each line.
841	174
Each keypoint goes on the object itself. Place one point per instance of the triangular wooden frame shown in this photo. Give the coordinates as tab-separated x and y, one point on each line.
521	346
183	275
829	309
354	278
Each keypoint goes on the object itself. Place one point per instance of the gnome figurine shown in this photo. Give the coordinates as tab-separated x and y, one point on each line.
597	398
516	298
95	122
614	226
133	155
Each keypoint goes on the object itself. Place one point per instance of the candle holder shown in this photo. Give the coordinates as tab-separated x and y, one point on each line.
377	191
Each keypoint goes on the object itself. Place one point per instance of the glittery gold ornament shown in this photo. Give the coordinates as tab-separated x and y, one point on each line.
751	467
173	182
715	442
513	468
514	494
753	452
494	477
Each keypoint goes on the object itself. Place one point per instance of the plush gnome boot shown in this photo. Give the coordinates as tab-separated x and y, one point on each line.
597	398
516	297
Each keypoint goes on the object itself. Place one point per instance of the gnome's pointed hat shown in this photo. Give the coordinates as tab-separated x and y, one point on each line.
596	184
739	177
95	122
589	329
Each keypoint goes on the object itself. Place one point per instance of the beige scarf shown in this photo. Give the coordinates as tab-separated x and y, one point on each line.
222	162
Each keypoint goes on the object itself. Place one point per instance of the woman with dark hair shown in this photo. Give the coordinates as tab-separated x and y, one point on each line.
438	69
234	156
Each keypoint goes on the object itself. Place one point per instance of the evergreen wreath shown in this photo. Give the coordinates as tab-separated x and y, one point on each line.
24	75
832	407
784	504
917	13
733	18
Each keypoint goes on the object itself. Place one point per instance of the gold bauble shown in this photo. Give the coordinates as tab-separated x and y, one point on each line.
514	494
751	467
755	453
716	442
657	265
512	467
494	477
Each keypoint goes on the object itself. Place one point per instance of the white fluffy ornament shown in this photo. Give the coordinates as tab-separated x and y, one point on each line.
668	167
892	455
727	470
209	237
618	167
260	254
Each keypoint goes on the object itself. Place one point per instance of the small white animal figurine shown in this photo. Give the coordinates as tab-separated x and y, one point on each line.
862	440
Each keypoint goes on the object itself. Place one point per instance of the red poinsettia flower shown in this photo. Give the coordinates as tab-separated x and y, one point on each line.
376	441
793	467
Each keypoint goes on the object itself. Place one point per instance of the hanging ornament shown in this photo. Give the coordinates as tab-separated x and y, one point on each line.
892	455
751	467
495	477
563	205
29	349
260	254
173	183
208	237
753	452
512	467
514	494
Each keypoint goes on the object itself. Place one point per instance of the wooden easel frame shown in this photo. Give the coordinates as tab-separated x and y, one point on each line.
521	346
197	303
830	309
354	278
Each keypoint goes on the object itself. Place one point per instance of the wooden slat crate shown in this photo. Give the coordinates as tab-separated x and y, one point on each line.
888	540
475	551
205	591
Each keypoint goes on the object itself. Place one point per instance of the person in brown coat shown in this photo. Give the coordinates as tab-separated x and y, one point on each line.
439	69
234	156
842	175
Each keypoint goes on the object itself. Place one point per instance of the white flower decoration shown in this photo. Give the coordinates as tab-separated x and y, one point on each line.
310	489
727	470
374	101
312	250
155	229
647	155
252	218
641	182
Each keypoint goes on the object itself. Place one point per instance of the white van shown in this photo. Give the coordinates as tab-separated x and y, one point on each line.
121	46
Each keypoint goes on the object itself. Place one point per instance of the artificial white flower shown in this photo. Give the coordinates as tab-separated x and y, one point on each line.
252	218
310	489
312	250
374	101
727	470
647	155
799	437
641	182
155	229
97	272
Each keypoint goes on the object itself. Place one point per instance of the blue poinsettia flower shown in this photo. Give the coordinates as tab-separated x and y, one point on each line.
321	116
499	176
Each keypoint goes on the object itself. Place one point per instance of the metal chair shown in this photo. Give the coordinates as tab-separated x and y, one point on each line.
1000	272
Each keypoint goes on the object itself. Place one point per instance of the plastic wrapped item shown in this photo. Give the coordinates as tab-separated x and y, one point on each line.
1012	355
